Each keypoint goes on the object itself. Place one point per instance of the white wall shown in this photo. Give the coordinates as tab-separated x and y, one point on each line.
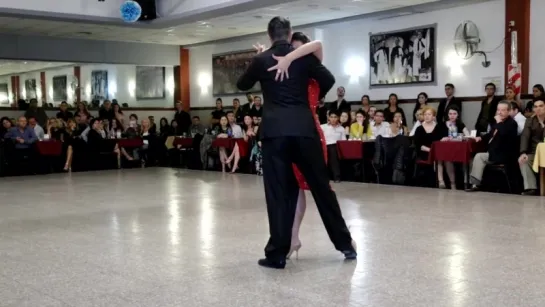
537	44
348	42
121	84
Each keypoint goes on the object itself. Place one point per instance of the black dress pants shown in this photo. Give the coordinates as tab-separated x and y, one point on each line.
333	162
281	191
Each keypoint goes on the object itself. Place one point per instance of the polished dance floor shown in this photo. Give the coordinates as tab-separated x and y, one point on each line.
162	237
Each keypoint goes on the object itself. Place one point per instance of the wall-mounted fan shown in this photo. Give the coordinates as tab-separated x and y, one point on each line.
466	41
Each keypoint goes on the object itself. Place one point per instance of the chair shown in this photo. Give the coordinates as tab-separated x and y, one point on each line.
504	171
423	171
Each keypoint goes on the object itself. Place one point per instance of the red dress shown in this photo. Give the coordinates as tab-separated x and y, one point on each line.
313	93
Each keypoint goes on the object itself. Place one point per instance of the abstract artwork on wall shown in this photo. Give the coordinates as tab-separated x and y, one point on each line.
60	92
99	85
30	89
4	94
403	57
150	82
227	68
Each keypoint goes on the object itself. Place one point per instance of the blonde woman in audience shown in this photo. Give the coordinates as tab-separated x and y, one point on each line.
427	133
453	122
82	110
54	129
361	129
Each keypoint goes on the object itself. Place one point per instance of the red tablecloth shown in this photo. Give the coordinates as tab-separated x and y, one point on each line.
456	151
350	150
184	142
227	143
49	148
130	143
242	147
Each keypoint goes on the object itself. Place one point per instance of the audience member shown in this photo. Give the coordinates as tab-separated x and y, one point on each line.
217	113
321	111
345	122
333	132
421	102
38	130
427	133
249	104
82	111
419	119
501	138
118	113
340	104
392	109
517	116
182	118
223	130
36	112
444	104
106	112
365	103
397	127
489	105
239	113
23	136
196	127
174	131
361	129
63	113
164	128
380	127
531	136
538	91
5	127
257	108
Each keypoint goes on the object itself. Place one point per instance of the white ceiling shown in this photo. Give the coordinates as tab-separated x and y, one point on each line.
249	22
8	67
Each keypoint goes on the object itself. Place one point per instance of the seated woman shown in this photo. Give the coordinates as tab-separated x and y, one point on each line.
453	121
426	134
345	122
361	129
54	130
96	137
69	134
5	127
117	129
223	131
147	135
397	127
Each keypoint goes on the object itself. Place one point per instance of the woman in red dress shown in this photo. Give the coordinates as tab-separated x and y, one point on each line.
303	47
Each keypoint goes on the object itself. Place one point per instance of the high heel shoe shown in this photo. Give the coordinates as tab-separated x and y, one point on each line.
294	248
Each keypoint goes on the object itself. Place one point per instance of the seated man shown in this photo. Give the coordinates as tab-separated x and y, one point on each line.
333	132
501	139
517	116
379	126
531	136
23	136
38	130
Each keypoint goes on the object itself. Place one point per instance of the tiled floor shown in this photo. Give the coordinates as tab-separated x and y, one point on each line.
161	237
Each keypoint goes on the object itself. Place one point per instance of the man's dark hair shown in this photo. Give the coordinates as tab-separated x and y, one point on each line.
196	117
219	99
236	99
64	102
229	112
379	111
300	37
490	84
258	97
450	85
279	28
335	112
30	117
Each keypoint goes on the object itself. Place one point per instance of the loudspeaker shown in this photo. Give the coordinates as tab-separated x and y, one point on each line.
149	11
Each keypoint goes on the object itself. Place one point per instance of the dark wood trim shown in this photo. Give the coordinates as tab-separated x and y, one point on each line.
185	85
77	73
519	12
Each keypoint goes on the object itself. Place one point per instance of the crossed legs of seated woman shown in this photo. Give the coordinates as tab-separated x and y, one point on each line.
224	159
236	156
69	155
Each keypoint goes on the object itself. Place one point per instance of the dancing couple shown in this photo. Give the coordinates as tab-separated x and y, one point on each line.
292	141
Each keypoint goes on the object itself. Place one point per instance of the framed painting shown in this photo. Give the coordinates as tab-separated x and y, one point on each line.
227	68
30	89
150	82
99	85
60	90
4	94
403	57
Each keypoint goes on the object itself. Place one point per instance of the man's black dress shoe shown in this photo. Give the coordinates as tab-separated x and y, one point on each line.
272	264
350	254
530	192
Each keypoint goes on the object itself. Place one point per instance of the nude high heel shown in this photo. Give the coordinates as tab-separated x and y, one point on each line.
294	248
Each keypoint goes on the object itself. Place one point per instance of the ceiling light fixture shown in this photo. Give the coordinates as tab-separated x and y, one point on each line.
170	30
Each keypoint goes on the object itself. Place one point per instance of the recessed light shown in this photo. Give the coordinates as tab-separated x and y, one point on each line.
170	30
335	8
313	6
258	17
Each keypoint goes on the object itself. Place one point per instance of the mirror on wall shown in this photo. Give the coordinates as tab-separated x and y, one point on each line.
51	83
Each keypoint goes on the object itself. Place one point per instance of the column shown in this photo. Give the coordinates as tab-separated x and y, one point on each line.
43	87
184	84
518	11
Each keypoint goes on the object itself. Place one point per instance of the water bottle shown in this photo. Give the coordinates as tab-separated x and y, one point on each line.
454	131
450	131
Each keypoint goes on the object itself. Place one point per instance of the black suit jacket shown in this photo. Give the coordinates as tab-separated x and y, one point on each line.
344	106
287	112
184	121
442	114
491	113
502	141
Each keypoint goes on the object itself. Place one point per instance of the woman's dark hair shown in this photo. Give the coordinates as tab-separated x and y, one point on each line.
392	95
93	121
417	104
2	129
173	121
118	125
163	120
540	88
225	119
251	122
365	121
457	109
348	121
117	104
300	37
134	116
366	96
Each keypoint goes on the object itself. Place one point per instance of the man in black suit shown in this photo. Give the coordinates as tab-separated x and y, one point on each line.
340	105
444	104
289	135
502	149
182	118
